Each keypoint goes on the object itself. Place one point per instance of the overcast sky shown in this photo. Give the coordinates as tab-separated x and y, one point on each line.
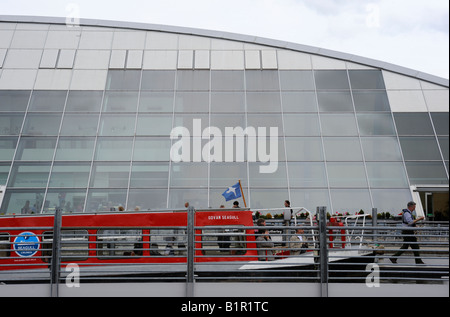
409	33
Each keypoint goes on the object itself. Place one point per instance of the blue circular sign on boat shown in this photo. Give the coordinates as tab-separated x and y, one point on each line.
26	244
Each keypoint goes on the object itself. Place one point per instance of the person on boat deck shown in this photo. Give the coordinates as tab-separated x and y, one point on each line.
409	240
236	204
265	245
287	215
298	242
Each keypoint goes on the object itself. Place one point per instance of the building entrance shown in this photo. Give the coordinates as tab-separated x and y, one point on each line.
434	201
435	205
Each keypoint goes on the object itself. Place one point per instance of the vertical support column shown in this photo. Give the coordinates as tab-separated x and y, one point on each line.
374	231
56	254
323	251
190	251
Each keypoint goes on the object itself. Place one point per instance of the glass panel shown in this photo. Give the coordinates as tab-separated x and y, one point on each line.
301	125
113	149
11	123
310	198
32	175
387	175
105	200
187	121
189	175
366	79
381	149
371	101
123	80
263	102
227	80
342	149
110	175
84	101
120	101
42	124
14	100
227	102
4	172
390	200
273	150
307	174
47	100
262	80
119	243
276	179
158	80
152	149
266	121
22	202
147	199
347	174
168	242
79	124
144	175
444	143
7	148
420	148
226	241
304	149
197	197
375	124
36	149
227	174
70	175
426	173
154	125
68	200
335	101
193	80
117	125
192	102
413	123
351	201
268	198
75	149
338	125
331	79
297	80
156	102
223	121
299	101
440	120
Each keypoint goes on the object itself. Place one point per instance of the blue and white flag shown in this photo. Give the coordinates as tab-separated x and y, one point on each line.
232	192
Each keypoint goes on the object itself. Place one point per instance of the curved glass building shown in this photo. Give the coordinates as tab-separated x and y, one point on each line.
87	118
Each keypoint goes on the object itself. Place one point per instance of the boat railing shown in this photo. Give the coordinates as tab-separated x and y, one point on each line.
232	252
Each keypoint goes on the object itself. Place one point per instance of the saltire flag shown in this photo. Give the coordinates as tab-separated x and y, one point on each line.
233	192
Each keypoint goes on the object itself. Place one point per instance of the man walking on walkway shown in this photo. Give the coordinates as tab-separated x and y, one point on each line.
409	238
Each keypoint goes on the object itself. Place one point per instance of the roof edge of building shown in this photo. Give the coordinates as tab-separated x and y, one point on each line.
234	37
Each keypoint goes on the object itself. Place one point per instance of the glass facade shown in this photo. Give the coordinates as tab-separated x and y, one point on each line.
96	145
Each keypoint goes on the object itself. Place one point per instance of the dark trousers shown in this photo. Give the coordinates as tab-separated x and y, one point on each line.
409	240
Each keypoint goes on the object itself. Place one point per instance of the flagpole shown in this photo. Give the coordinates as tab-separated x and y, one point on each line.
242	192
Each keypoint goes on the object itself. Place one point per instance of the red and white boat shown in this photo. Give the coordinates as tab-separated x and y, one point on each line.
141	242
